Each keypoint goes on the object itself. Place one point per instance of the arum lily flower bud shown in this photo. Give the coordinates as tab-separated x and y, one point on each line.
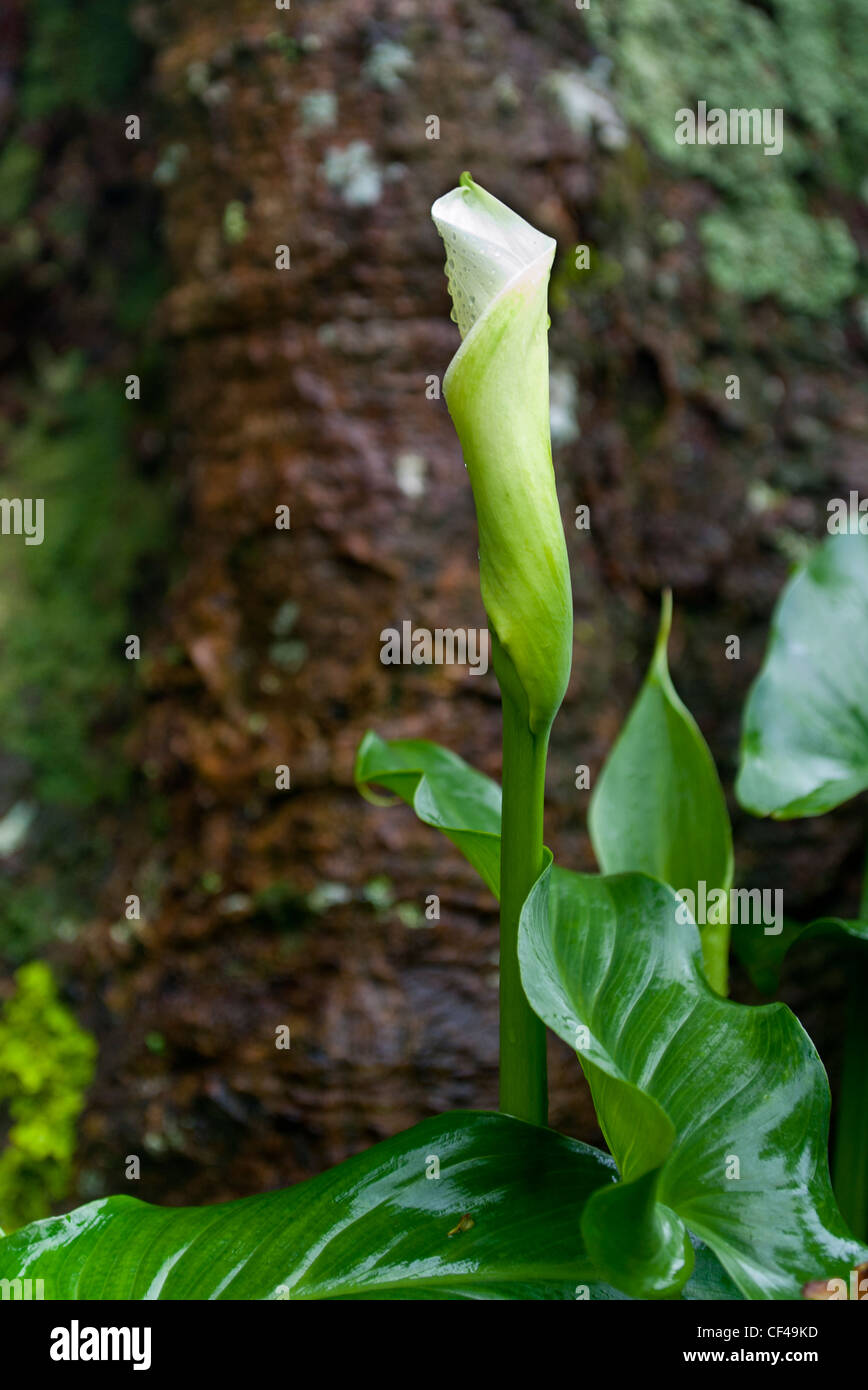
497	391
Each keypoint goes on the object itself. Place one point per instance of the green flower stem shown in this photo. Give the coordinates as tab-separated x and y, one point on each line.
497	390
523	1084
851	1131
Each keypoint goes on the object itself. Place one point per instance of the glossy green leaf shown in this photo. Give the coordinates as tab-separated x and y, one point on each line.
805	733
443	790
762	955
681	1078
658	806
502	1220
685	1083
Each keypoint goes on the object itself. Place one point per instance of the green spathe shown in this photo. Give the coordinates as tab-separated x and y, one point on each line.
497	390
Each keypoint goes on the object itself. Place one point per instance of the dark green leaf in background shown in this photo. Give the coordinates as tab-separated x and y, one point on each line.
762	955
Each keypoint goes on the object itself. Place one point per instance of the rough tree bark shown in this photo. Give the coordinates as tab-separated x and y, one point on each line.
307	387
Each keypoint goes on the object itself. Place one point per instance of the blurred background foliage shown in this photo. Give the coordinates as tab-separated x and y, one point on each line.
156	258
78	299
807	59
46	1066
63	669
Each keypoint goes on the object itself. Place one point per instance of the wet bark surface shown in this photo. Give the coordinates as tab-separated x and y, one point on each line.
306	388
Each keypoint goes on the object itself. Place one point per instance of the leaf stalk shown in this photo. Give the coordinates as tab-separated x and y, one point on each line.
850	1165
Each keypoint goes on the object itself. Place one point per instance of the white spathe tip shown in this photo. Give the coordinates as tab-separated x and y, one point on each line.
487	246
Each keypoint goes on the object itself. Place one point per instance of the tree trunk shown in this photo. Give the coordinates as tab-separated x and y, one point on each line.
314	388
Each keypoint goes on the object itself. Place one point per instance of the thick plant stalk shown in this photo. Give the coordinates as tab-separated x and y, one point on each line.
523	1086
497	390
851	1131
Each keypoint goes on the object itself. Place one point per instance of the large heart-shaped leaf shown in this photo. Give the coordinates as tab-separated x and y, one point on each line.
805	734
763	955
683	1081
717	1113
470	1205
658	807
